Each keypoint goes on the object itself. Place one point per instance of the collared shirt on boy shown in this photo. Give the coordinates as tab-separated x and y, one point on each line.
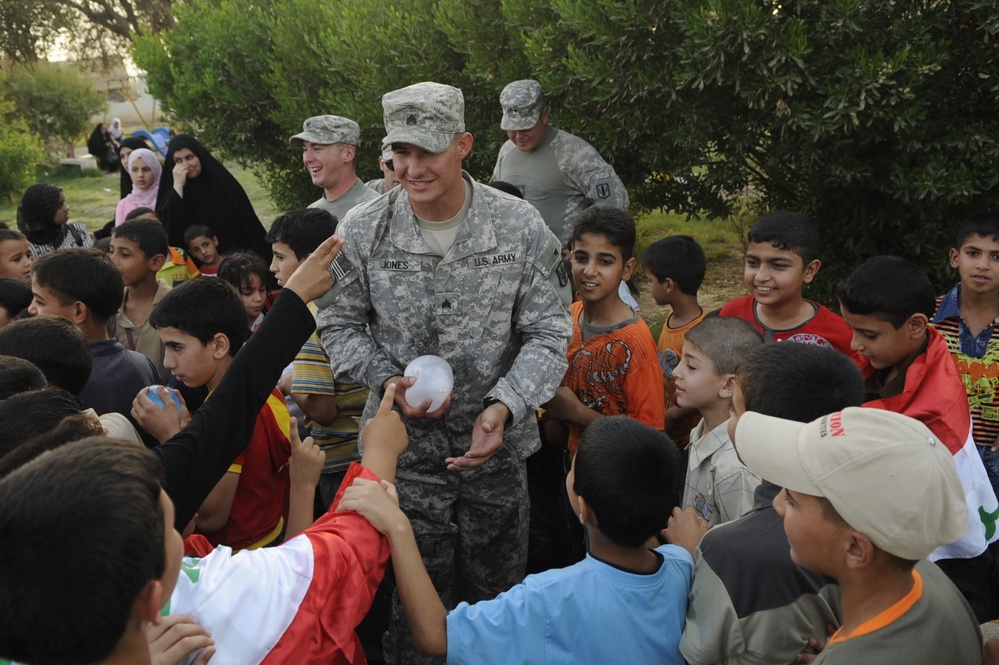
719	486
977	360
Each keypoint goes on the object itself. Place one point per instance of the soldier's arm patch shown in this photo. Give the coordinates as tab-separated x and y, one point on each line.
549	258
601	188
342	273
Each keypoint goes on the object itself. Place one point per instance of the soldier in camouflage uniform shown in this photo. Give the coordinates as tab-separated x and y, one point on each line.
444	265
329	146
560	174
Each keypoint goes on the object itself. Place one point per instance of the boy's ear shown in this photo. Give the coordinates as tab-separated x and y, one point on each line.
917	325
80	312
149	602
219	345
859	550
728	387
954	254
811	270
585	512
629	267
156	263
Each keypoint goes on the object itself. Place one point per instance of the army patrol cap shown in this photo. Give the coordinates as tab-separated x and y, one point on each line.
327	130
427	115
522	105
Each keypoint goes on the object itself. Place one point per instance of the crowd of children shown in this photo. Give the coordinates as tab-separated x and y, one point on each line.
768	483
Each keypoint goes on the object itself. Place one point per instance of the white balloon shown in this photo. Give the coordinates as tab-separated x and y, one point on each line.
434	381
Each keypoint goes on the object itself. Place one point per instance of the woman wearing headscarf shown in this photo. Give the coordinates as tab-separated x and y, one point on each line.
126	147
144	169
202	191
43	218
101	146
116	132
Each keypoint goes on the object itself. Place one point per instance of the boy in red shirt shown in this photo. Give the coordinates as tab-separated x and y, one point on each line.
781	259
203	324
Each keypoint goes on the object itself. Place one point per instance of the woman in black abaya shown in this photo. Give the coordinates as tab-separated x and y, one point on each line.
199	190
101	146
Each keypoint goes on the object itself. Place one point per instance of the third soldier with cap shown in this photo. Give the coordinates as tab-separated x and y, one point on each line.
559	174
329	147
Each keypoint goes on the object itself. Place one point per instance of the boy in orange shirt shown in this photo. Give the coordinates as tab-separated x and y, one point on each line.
613	364
675	268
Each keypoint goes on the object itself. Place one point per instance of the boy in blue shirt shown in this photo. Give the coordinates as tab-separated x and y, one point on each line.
624	603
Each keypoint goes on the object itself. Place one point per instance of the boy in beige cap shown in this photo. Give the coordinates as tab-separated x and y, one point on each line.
329	146
868	494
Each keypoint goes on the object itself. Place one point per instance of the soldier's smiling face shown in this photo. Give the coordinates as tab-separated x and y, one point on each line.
433	180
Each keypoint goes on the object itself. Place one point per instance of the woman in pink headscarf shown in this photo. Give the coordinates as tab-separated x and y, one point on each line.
144	169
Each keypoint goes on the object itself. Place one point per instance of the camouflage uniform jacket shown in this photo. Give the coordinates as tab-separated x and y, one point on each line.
563	176
488	308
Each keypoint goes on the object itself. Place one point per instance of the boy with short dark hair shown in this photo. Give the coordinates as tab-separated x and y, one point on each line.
301	599
15	256
749	602
718	485
18	375
781	259
888	302
613	365
968	318
204	246
52	344
333	408
624	603
139	249
203	324
675	268
178	267
84	286
868	494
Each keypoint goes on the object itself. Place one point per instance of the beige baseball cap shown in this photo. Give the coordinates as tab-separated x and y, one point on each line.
886	474
425	114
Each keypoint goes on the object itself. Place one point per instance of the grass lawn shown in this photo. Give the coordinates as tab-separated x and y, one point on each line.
92	196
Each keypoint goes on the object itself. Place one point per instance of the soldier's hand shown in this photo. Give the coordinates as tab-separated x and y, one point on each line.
487	439
401	384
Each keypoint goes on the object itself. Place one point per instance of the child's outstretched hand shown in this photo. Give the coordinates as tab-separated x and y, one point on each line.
312	277
307	460
386	430
377	502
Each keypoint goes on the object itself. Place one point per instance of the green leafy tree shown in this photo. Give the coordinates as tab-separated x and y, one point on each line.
21	152
84	27
877	119
55	102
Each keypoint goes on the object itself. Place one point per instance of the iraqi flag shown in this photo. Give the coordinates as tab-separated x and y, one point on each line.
935	396
296	603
